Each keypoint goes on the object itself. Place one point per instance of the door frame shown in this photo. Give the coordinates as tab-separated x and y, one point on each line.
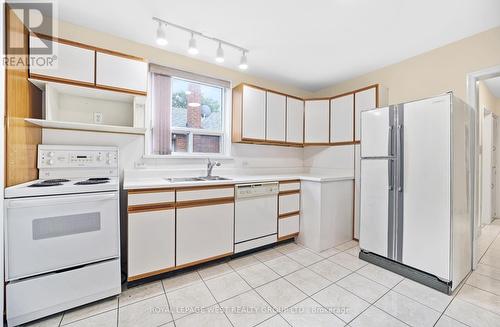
473	100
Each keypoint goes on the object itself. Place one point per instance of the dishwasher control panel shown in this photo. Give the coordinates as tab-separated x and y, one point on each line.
256	189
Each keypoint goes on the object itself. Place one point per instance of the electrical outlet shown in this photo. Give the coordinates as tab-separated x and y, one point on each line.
97	117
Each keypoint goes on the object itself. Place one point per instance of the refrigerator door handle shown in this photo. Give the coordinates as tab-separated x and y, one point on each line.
390	141
389	175
400	174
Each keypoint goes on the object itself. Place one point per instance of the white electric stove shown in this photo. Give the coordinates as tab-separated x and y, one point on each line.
62	244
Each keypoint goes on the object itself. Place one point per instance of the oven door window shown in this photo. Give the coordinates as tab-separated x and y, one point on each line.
66	225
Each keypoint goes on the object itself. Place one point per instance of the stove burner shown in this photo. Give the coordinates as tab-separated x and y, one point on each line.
45	184
56	180
98	179
91	181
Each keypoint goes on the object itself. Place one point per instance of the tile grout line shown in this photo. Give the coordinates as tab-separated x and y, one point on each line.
463	284
217	303
168	303
118	312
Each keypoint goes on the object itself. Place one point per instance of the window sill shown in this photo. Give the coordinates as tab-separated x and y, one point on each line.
202	156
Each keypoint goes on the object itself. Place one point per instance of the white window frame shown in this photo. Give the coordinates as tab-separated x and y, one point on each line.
225	133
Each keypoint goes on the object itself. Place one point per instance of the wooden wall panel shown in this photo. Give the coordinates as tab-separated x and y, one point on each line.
23	100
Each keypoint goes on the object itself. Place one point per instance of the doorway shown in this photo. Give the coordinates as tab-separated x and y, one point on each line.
481	86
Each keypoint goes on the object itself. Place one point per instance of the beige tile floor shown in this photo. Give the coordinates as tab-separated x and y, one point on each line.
290	285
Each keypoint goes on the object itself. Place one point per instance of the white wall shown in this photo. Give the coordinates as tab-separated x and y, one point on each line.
329	157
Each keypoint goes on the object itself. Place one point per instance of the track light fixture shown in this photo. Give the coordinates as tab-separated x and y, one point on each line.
219	55
192	49
243	61
161	39
161	34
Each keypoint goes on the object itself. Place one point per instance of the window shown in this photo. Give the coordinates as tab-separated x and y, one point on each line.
188	114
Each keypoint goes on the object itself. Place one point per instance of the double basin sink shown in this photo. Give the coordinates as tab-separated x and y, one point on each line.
196	179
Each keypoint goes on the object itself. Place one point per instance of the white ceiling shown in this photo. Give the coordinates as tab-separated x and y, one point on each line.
310	44
494	85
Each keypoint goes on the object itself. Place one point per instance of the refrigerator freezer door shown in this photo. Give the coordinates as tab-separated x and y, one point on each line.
376	210
377	132
425	187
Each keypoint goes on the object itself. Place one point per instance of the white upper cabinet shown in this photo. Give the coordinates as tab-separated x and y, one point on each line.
72	64
276	117
363	100
317	121
119	72
253	113
341	119
294	120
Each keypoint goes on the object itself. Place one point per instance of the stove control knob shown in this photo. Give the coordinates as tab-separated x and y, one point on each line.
50	162
99	157
108	162
50	154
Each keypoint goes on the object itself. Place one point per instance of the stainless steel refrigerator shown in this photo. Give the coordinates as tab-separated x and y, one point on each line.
416	214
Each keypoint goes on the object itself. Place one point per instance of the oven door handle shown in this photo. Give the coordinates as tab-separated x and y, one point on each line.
47	201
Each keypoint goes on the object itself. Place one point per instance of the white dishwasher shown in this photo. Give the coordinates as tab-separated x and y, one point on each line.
256	215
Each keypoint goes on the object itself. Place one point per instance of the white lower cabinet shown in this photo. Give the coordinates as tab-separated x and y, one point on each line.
289	203
288	226
204	232
151	242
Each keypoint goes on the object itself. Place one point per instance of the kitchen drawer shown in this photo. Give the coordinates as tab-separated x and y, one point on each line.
289	203
288	225
145	197
204	193
289	186
41	296
204	233
151	242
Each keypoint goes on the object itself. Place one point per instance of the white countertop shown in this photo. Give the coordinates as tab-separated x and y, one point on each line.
136	181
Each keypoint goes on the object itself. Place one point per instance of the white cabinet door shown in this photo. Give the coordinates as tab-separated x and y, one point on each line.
73	63
151	241
342	119
363	100
204	232
254	113
120	72
317	121
294	120
276	116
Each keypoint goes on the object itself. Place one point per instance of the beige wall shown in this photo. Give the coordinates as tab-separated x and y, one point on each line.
487	99
434	72
155	55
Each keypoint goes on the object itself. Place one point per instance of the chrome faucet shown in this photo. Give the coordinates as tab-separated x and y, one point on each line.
210	166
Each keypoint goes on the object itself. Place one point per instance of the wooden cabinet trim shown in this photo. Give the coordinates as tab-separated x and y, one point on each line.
61	80
289	214
204	202
120	89
151	207
289	181
194	263
149	274
150	190
283	193
286	237
203	187
86	46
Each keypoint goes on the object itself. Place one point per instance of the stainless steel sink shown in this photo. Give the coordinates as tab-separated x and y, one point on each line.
215	178
184	179
196	179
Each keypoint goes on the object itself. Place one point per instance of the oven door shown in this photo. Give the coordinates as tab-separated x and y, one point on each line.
56	232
